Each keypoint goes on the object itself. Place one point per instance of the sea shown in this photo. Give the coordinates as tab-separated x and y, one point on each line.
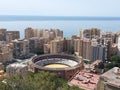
69	25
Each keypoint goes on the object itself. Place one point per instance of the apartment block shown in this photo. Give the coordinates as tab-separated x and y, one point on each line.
90	33
98	52
85	48
29	33
21	48
56	46
12	35
6	53
3	34
15	68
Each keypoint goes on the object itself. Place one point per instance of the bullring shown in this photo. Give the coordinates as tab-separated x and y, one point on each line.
65	66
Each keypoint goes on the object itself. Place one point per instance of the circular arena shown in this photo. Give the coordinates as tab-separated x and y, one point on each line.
65	66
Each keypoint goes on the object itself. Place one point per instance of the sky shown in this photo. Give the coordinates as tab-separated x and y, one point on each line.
107	8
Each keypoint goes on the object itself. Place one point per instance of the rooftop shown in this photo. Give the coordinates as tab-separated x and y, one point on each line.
17	65
112	76
85	79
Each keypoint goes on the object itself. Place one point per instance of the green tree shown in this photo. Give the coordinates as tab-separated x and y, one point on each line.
115	59
38	81
4	86
39	51
115	62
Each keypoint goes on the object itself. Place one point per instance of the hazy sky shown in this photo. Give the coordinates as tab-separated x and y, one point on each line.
61	7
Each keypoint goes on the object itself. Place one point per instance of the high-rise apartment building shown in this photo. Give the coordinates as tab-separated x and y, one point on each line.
68	45
38	33
46	48
21	48
29	33
58	33
3	34
98	52
92	50
56	46
12	35
41	32
43	41
35	33
34	44
8	35
108	45
46	33
52	35
6	53
76	43
85	48
90	33
110	36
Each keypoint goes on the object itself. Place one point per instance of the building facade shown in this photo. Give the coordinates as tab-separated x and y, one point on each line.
119	45
109	80
90	33
56	46
12	35
34	44
15	68
6	53
3	34
46	48
21	48
29	33
85	48
98	52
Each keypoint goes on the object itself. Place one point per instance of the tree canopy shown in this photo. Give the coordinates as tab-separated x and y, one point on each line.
115	62
38	81
39	51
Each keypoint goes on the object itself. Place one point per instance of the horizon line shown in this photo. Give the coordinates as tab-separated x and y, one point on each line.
62	16
44	18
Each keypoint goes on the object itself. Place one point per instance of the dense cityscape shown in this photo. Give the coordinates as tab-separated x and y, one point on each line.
88	61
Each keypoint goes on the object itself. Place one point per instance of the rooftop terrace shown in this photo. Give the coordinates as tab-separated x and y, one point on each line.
85	79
